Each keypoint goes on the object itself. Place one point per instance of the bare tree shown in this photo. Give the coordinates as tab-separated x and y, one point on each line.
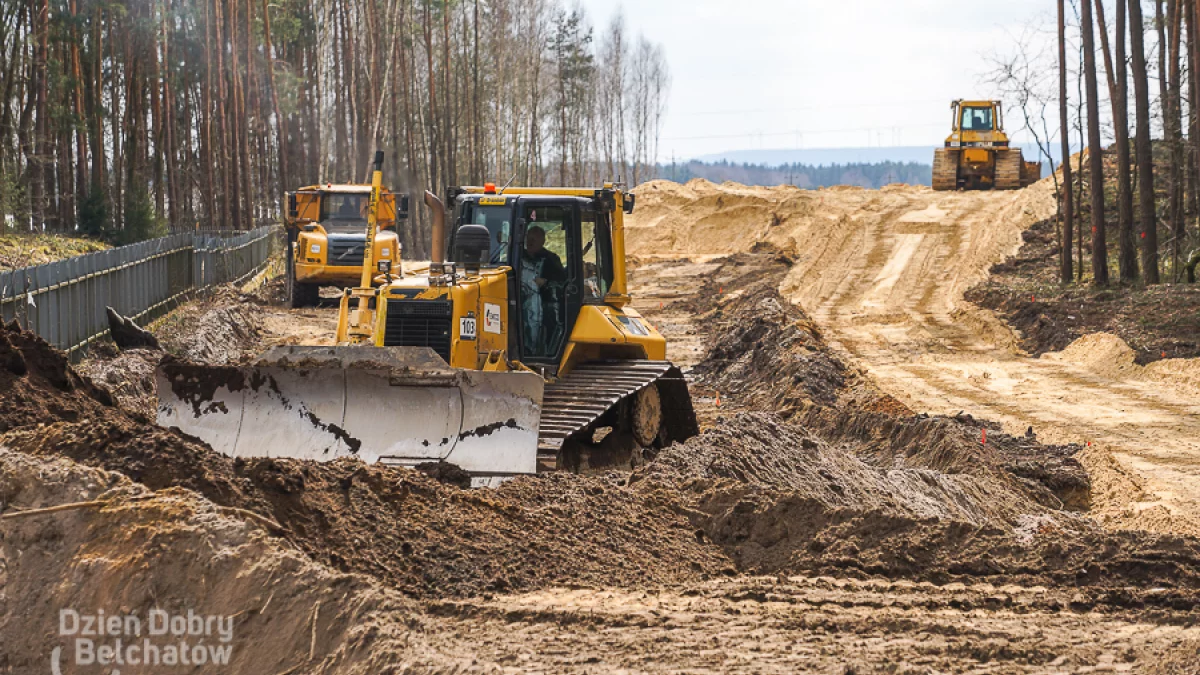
1095	150
1118	88
1066	268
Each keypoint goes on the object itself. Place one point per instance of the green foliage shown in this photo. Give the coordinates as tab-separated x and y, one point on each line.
12	199
140	222
94	218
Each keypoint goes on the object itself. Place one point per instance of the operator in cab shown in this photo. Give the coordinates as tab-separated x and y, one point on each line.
541	271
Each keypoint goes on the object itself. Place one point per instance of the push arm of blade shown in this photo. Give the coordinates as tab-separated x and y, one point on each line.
368	271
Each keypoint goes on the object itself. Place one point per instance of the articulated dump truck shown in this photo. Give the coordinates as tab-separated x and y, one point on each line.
327	236
516	353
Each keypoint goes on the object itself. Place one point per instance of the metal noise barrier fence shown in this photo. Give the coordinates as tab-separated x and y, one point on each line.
64	301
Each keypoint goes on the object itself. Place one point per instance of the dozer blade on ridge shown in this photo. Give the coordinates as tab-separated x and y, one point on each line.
397	405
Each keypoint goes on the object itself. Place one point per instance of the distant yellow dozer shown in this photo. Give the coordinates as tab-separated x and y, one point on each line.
977	155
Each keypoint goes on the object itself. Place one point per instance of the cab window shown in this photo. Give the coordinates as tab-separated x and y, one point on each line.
595	254
344	209
544	278
977	119
498	221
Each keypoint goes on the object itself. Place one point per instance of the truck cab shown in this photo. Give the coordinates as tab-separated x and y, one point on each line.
327	235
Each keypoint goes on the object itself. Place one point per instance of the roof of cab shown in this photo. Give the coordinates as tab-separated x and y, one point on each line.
336	188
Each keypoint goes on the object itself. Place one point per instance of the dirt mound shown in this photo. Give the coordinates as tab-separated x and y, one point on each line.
419	535
1157	322
1047	474
764	353
779	500
763	333
1102	353
224	327
1108	356
38	386
702	218
416	533
127	375
130	551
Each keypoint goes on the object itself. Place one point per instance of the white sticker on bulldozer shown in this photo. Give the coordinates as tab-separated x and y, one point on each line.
466	328
491	318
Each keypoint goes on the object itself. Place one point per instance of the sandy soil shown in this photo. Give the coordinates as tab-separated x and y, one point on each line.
868	540
883	273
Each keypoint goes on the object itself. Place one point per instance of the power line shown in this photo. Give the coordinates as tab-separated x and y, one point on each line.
832	106
806	132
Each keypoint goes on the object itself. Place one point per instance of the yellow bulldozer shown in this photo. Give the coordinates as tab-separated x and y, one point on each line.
977	155
516	352
327	235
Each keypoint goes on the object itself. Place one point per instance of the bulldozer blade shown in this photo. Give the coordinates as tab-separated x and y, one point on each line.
397	405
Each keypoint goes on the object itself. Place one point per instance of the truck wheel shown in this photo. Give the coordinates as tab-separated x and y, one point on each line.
301	295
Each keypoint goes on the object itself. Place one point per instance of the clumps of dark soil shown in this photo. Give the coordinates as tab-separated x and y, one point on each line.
446	473
1048	474
1158	322
224	327
411	531
770	356
779	500
38	386
764	352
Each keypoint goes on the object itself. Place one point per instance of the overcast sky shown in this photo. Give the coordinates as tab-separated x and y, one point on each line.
750	74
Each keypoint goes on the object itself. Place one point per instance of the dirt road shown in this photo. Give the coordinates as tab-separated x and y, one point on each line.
883	272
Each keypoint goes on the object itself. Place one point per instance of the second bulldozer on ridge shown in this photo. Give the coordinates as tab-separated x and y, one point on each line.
977	155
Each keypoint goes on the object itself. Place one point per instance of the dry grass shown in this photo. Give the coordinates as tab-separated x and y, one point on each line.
25	249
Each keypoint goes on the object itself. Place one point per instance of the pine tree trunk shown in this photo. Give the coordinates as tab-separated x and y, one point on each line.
1066	265
1117	74
1145	161
1095	151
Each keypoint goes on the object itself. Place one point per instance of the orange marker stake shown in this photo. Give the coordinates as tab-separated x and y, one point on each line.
718	399
985	435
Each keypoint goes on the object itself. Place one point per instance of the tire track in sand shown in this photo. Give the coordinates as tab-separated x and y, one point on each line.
900	313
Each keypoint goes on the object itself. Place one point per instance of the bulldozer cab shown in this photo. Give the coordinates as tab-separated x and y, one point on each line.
557	254
976	121
977	118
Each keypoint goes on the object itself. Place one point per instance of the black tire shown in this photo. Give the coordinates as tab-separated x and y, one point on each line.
300	295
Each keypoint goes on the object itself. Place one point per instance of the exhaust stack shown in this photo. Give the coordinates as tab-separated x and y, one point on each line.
439	227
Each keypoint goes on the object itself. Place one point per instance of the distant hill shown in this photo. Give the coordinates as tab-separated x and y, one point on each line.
818	167
867	175
921	154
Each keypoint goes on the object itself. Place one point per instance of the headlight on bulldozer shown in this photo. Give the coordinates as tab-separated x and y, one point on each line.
385	252
315	248
385	266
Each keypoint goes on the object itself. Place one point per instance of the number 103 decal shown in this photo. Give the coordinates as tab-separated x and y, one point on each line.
466	328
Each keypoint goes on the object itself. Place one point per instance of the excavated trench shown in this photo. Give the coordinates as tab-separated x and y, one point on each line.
805	469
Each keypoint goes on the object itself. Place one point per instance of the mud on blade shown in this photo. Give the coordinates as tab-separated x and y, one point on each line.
400	405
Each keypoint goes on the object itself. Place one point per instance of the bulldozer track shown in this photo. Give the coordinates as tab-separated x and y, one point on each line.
945	169
1031	172
1009	167
579	399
